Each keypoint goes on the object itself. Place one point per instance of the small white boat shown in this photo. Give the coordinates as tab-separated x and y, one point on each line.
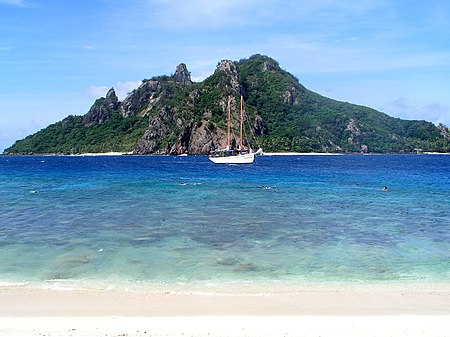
240	155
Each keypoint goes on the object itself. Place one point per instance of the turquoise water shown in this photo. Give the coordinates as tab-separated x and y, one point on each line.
181	220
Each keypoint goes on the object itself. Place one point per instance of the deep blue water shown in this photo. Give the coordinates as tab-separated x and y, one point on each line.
183	219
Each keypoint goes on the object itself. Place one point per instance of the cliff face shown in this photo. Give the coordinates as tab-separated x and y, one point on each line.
189	129
173	115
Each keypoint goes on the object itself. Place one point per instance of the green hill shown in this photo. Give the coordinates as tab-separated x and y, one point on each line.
173	115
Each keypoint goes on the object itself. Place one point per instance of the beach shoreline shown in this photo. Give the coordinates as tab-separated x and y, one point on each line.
347	299
358	310
231	299
115	154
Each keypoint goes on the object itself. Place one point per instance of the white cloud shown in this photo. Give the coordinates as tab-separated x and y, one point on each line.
124	88
200	78
406	108
97	91
438	112
18	3
6	48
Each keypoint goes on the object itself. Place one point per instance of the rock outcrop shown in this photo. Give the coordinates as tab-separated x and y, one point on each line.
102	109
230	78
291	96
160	127
356	135
259	127
270	65
445	132
141	100
111	100
182	75
199	138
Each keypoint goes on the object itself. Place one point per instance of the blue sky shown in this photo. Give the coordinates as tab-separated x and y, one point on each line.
57	57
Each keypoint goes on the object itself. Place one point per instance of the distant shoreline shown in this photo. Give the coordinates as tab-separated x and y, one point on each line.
302	154
268	154
102	154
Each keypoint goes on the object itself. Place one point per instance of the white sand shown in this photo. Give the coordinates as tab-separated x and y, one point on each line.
239	326
88	154
369	310
301	154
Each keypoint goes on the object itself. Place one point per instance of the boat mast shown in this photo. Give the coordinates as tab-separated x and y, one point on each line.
229	123
241	145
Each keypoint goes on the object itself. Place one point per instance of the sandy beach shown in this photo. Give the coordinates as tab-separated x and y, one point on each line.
97	154
301	154
361	310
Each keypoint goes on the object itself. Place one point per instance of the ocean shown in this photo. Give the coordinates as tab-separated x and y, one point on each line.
166	221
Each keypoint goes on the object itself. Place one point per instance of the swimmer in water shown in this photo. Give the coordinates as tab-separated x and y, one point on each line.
385	189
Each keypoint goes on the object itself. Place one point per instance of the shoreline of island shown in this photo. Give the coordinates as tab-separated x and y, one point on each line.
268	154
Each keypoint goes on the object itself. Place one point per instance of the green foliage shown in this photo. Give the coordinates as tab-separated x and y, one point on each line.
311	122
71	136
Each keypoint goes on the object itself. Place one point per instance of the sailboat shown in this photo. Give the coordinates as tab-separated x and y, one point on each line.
241	155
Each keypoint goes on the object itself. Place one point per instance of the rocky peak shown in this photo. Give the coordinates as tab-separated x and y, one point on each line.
102	109
141	99
111	100
182	75
229	68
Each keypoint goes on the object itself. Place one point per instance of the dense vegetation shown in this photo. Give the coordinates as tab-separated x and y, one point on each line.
311	122
71	136
292	118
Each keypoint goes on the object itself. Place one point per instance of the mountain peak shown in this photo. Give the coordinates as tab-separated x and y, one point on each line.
231	79
111	99
101	110
182	75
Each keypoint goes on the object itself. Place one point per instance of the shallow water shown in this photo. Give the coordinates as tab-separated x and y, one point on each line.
176	220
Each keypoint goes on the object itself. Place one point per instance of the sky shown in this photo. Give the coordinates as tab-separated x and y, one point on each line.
58	56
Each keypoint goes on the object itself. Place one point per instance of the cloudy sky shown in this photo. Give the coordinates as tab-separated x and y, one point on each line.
57	57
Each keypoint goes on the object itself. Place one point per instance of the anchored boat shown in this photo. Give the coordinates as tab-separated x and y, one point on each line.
241	155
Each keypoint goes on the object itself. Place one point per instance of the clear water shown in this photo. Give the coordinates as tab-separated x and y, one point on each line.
176	220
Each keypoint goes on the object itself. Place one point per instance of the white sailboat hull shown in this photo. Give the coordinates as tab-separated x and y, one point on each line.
247	158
